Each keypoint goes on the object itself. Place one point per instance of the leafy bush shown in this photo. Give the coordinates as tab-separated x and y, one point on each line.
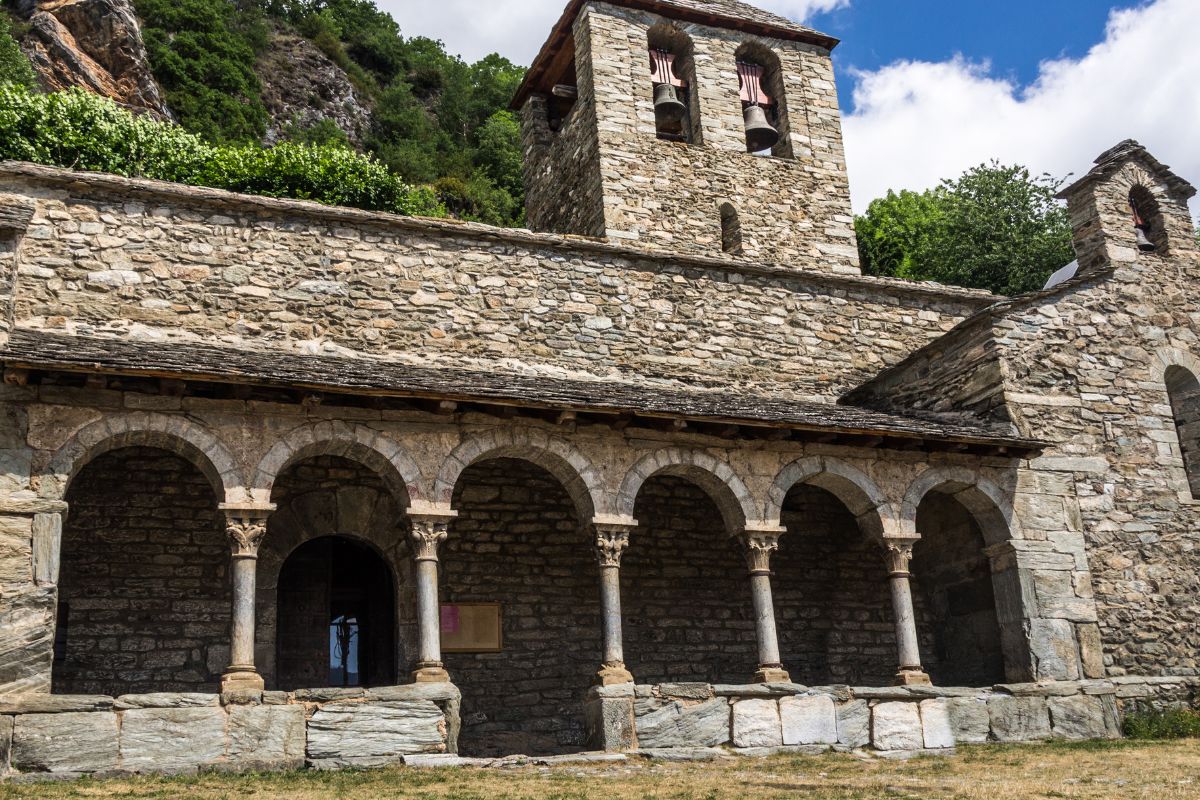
14	66
79	130
1172	723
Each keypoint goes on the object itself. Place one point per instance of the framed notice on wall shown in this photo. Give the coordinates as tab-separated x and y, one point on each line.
471	628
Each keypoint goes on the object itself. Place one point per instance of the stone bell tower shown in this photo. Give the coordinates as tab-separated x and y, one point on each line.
638	120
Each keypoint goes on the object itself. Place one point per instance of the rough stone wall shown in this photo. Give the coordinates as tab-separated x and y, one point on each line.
563	190
261	274
517	542
793	211
144	578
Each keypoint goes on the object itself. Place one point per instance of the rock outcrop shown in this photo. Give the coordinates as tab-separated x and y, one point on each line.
94	44
301	86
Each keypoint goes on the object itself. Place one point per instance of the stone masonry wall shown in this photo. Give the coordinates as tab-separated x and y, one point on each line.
517	542
144	584
793	211
110	257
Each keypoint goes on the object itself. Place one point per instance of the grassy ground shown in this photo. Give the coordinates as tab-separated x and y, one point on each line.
1126	770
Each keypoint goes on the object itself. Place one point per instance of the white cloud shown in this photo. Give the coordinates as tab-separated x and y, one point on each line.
916	122
516	30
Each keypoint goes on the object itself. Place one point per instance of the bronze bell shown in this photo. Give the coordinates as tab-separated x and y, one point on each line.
1143	242
668	109
760	134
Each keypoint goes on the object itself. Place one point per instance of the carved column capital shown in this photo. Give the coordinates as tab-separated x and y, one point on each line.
611	541
898	552
757	547
428	532
246	527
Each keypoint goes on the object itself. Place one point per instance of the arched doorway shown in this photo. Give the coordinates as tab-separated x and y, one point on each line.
337	621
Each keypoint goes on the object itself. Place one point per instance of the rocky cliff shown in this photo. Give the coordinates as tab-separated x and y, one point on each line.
95	44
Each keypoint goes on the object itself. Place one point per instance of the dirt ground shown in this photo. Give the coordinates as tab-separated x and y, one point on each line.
1099	770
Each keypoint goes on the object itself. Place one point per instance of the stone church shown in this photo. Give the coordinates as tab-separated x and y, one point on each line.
291	485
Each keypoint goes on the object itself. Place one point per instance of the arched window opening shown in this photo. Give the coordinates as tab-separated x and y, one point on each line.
952	576
1184	391
336	616
1148	226
673	78
731	230
764	101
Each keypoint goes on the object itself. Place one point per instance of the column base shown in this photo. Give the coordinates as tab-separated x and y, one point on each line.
433	674
772	675
613	675
239	679
913	677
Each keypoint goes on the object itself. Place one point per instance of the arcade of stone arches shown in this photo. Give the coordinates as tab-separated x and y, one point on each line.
349	555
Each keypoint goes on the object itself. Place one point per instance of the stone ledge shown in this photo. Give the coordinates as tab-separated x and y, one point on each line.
54	703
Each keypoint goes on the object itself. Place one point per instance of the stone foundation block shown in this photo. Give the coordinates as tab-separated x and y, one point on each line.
374	734
171	739
6	734
68	742
1019	719
1052	642
896	726
167	700
677	725
756	724
610	724
1079	717
854	724
969	719
936	728
267	737
808	720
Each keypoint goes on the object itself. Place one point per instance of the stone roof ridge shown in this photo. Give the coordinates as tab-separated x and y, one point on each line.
1116	156
859	393
488	234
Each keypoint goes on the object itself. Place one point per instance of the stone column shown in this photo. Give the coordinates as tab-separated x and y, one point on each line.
898	552
611	541
428	532
757	546
246	526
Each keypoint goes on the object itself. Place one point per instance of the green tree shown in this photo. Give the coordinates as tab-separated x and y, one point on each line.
14	66
996	227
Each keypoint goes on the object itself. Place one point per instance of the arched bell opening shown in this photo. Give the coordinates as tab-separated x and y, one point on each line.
520	614
684	591
764	100
952	576
144	594
336	623
833	606
673	81
1149	227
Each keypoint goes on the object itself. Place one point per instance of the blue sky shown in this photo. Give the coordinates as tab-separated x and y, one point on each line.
1014	36
931	88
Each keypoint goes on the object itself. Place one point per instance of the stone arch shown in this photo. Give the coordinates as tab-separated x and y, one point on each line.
987	502
355	442
731	229
715	477
175	434
864	499
1178	373
758	53
666	37
566	463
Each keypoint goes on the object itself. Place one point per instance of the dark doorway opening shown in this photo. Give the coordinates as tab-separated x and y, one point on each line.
337	616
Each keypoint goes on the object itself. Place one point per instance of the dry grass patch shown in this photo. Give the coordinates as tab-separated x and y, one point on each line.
1095	771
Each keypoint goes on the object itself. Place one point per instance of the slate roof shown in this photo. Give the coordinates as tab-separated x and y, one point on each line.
1111	160
195	361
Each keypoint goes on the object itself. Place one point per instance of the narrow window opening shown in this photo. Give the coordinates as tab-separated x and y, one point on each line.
731	230
1184	392
60	633
672	77
1148	227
